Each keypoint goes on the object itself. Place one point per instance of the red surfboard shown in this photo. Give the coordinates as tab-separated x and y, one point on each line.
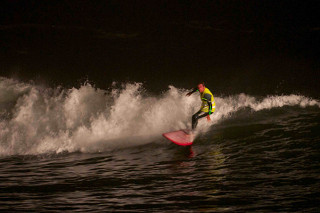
181	137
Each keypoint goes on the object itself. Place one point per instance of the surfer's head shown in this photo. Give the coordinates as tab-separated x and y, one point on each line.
201	87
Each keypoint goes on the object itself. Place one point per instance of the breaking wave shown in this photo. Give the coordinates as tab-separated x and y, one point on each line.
38	120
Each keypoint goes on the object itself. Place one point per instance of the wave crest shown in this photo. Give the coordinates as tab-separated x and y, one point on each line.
37	120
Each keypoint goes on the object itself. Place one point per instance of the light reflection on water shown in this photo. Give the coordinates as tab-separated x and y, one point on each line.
268	167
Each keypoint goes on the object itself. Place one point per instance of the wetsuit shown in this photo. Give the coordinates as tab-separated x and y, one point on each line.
207	107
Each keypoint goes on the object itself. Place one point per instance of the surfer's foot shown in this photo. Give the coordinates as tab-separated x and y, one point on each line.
188	131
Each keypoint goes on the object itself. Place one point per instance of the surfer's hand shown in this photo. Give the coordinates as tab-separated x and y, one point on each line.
208	118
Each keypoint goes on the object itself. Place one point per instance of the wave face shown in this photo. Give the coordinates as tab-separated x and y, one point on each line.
39	120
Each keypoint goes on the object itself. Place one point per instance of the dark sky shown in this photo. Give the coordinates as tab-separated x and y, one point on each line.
236	46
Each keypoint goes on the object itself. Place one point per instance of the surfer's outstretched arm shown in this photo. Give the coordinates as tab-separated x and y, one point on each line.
194	90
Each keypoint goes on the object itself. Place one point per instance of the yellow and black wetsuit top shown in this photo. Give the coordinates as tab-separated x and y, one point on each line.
208	105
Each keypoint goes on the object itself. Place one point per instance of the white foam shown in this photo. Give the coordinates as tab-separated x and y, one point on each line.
41	120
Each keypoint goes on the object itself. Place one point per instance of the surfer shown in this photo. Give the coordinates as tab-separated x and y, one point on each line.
207	107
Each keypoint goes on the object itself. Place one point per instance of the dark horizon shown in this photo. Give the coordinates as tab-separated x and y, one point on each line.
255	47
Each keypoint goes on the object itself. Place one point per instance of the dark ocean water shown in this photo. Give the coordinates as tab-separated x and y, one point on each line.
85	150
252	47
87	88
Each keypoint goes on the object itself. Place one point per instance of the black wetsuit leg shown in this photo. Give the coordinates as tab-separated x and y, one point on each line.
196	117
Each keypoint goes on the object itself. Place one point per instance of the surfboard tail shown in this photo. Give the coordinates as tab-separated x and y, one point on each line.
180	137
